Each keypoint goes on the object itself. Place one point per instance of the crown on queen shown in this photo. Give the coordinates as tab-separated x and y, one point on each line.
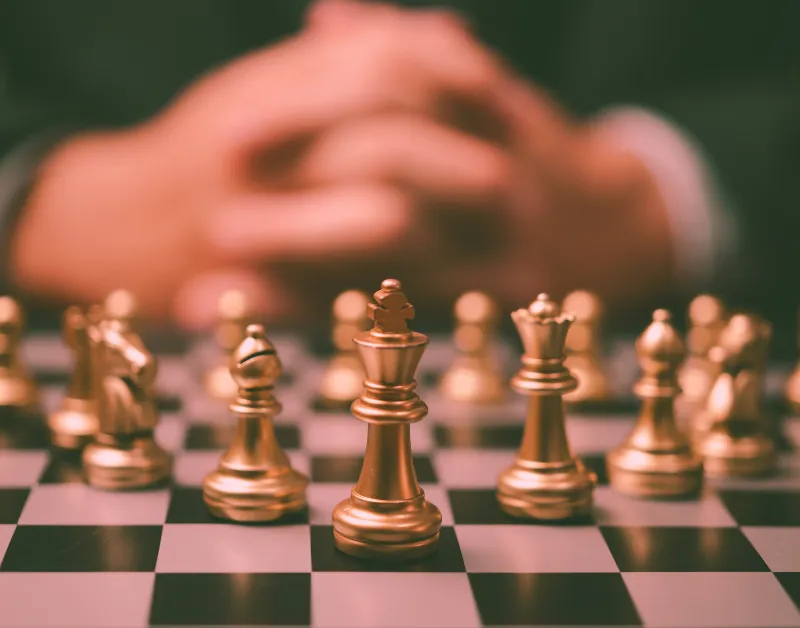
543	328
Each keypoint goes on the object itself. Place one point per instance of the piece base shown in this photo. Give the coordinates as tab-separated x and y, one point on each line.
255	498
128	464
74	425
651	475
17	392
743	455
386	551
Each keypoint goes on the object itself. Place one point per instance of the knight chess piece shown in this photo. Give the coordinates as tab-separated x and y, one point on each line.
387	515
584	348
123	453
234	313
474	376
792	387
17	388
343	379
546	481
734	433
656	459
255	480
74	424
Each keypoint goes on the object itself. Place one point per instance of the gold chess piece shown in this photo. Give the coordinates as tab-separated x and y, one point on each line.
656	460
707	318
234	313
17	388
255	480
474	376
545	481
123	454
122	306
734	435
792	387
387	515
583	347
343	379
74	424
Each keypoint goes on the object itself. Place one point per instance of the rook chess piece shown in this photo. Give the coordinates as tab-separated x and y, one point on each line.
387	515
17	388
792	388
546	481
656	460
255	480
234	313
583	347
474	377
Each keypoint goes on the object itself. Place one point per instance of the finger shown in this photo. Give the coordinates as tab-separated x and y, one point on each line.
341	13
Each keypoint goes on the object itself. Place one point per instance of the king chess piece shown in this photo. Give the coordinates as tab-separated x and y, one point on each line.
234	313
546	481
255	480
17	388
387	515
656	460
583	347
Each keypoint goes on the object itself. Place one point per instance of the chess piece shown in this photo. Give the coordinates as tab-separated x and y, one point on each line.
545	481
74	424
121	306
343	380
583	347
123	453
234	313
697	374
792	387
734	432
474	377
387	515
255	480
656	459
17	388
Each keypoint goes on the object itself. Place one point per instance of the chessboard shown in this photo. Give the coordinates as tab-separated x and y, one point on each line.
74	556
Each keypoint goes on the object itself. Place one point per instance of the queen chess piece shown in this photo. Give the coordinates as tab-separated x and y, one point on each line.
17	388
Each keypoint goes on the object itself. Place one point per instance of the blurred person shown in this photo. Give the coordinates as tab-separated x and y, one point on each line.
298	149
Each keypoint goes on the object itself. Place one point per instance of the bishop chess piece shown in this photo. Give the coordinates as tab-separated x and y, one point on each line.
74	424
656	460
735	436
17	388
387	515
545	481
123	454
343	379
234	314
255	480
584	349
474	376
792	387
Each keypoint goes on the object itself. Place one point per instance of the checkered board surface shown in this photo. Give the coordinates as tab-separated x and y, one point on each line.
74	556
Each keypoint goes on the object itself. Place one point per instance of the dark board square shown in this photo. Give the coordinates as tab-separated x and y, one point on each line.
213	436
83	548
231	599
12	501
64	467
52	377
480	507
186	505
791	584
763	508
318	404
21	430
682	549
597	464
348	468
614	406
479	436
553	599
325	556
168	403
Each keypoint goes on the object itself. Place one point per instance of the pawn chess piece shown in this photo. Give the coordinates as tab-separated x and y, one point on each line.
343	380
121	306
123	454
255	480
734	434
697	374
17	388
656	459
583	347
387	515
474	376
792	387
546	481
234	314
74	424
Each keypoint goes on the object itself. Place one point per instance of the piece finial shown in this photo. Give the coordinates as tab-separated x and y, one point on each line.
391	309
254	363
120	305
660	343
350	307
544	307
475	308
585	306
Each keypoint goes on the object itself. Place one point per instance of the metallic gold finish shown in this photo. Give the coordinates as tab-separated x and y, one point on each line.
656	460
474	377
255	480
235	314
74	424
387	515
343	379
121	306
734	433
583	347
792	387
17	388
123	454
546	481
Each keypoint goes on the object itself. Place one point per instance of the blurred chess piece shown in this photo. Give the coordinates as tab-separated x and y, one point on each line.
234	314
546	480
792	388
17	388
255	480
123	454
584	348
74	424
343	380
474	376
387	515
121	306
656	459
733	435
